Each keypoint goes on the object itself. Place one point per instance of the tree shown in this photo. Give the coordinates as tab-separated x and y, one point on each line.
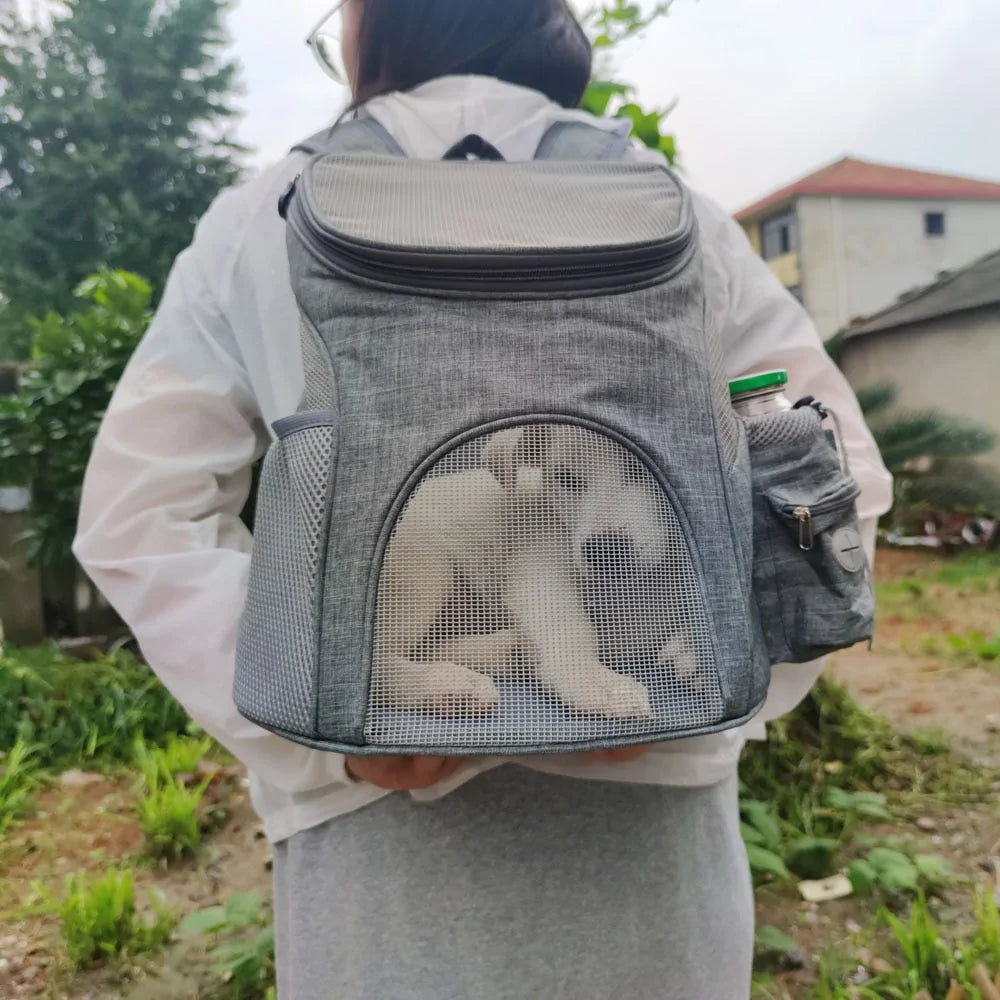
113	142
47	430
610	25
932	457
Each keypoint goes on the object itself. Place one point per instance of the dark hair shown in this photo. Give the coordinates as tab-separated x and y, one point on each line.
531	43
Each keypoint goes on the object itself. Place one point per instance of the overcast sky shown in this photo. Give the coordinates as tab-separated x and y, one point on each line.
768	90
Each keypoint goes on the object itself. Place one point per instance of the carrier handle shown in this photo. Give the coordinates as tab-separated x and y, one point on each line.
474	147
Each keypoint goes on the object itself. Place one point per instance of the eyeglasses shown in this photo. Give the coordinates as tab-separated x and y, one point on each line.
324	40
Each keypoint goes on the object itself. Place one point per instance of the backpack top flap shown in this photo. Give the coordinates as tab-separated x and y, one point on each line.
538	228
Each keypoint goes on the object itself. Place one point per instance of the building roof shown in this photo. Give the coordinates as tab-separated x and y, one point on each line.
861	179
954	291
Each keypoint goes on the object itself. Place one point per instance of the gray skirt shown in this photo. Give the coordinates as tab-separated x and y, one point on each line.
520	886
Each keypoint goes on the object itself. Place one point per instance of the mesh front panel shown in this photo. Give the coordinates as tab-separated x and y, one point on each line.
538	589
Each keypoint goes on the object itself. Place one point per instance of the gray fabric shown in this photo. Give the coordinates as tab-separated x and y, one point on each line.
811	602
319	385
460	207
618	360
417	376
520	886
579	141
361	135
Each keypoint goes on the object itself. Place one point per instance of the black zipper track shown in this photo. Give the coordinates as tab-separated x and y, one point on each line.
585	269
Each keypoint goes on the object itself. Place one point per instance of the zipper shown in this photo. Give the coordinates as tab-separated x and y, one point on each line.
807	540
585	269
806	515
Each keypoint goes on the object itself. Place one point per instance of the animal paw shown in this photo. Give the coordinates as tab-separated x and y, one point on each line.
453	689
680	655
626	699
599	691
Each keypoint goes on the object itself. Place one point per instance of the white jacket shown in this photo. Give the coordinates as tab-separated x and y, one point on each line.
159	527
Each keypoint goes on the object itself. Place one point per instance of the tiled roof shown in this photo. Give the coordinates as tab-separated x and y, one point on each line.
956	291
860	179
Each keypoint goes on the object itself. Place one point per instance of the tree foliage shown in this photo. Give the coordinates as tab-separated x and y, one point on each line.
610	25
48	429
113	142
932	456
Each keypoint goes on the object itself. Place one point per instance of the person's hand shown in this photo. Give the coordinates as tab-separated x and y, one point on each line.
620	756
402	774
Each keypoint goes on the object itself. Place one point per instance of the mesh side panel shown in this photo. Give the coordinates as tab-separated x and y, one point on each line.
276	654
538	589
510	206
787	427
319	388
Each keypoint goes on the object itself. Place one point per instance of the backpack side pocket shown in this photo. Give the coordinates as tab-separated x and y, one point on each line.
277	648
812	581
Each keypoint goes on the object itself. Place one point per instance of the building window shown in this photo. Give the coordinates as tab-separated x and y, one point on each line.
934	223
795	291
779	235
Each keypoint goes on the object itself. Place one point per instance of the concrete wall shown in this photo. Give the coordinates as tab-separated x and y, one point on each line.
950	364
20	585
859	254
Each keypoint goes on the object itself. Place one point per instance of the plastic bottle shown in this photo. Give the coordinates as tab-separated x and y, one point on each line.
760	394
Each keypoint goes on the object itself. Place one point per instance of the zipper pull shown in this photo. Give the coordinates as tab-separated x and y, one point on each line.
806	539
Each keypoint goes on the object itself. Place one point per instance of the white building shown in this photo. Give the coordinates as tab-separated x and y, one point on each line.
939	346
850	238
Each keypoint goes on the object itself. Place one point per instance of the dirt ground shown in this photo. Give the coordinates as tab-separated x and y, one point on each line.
91	826
927	692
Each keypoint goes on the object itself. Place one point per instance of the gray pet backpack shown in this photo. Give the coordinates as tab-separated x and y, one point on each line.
516	511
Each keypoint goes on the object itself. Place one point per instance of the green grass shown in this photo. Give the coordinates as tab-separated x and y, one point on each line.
80	714
168	810
18	780
826	770
920	955
243	951
907	600
58	713
979	571
101	920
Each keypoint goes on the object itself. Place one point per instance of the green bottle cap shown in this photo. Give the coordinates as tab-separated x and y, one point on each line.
762	380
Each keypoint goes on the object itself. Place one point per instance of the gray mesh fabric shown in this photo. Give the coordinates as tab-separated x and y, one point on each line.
276	652
538	588
494	206
792	428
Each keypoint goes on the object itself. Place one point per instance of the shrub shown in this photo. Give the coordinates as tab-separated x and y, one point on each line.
100	920
243	955
168	810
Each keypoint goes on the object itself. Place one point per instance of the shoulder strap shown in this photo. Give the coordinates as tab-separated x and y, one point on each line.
569	140
360	135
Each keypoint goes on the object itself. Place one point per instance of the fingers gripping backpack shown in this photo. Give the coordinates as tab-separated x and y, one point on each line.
516	511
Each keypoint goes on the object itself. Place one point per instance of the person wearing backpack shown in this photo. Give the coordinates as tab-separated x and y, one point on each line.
616	869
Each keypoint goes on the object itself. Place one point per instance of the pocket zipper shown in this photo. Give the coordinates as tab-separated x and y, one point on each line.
806	515
807	540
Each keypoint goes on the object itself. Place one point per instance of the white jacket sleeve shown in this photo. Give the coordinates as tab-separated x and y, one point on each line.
159	529
763	328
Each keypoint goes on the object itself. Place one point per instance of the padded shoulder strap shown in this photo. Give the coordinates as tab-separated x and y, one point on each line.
360	135
580	141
